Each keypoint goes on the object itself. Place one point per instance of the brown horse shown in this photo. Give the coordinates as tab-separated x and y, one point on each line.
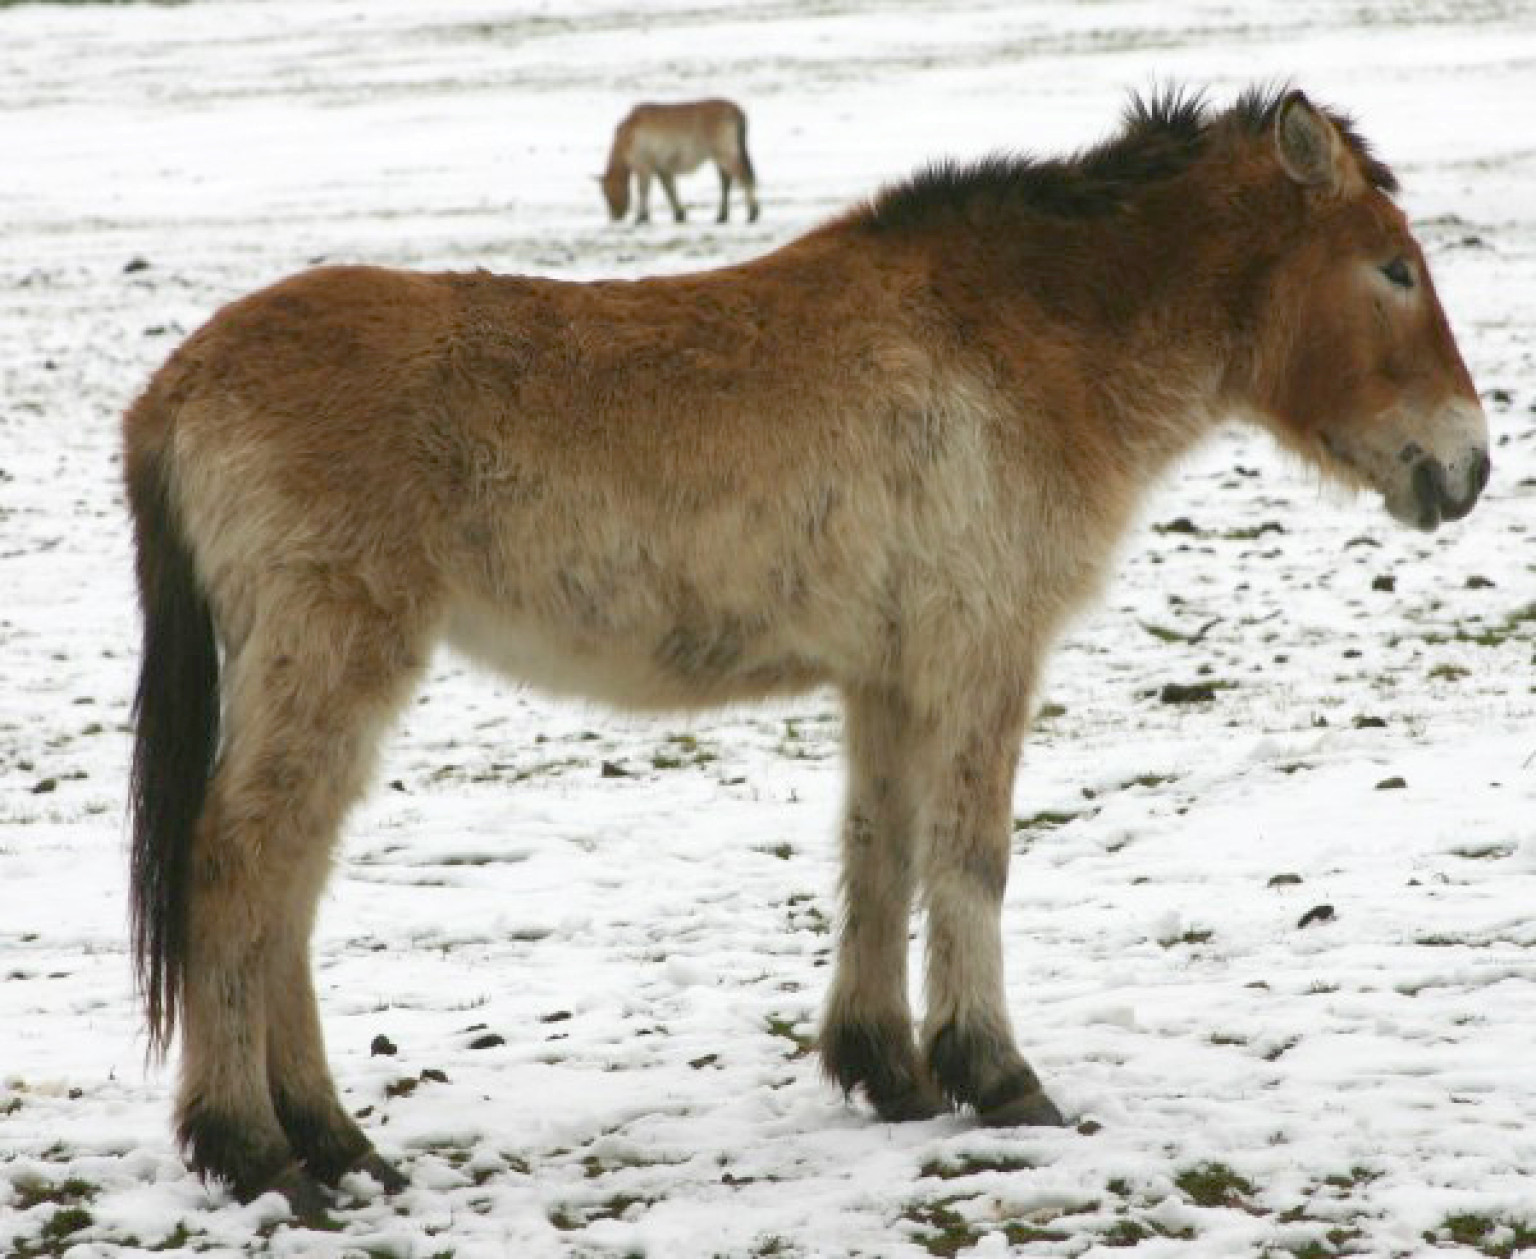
670	140
889	458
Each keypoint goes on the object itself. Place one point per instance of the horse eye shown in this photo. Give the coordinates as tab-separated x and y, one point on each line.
1399	272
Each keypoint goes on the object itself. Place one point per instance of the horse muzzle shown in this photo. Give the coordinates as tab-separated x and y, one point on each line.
1429	470
1441	494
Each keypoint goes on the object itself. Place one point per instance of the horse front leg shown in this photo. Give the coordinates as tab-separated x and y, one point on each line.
867	1037
964	812
642	196
669	186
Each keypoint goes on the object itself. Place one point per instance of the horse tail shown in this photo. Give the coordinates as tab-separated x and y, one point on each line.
175	719
741	147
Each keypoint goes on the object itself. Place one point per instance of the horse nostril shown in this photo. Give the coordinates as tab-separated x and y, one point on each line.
1481	471
1429	485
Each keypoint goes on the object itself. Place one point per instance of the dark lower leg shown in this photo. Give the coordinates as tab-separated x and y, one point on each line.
326	1139
968	1037
867	1037
669	186
225	1117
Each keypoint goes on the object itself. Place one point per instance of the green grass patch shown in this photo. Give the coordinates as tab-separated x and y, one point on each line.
1352	1179
173	1242
680	751
1214	1185
1514	625
1126	1233
957	1166
945	1232
803	914
1490	1235
1046	819
72	1191
802	1043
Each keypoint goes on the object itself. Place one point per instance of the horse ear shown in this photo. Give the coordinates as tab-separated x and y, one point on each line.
1308	144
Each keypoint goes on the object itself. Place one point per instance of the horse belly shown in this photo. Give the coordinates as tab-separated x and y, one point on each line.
669	154
657	660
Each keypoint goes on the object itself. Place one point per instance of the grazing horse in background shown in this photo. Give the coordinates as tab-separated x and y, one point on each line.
890	458
671	140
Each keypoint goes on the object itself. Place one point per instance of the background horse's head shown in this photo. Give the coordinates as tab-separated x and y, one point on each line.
615	185
1356	366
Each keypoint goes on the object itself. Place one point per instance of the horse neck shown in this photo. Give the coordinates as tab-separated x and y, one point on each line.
1156	303
618	166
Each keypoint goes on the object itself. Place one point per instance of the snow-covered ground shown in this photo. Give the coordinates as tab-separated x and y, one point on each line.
600	986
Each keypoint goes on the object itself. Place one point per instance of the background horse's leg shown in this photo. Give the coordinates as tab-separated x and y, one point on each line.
964	814
669	186
725	195
642	196
747	178
867	1037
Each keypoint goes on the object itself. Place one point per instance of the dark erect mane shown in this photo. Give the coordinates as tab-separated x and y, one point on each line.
1164	133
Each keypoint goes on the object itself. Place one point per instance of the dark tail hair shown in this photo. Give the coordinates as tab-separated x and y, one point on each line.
741	143
175	741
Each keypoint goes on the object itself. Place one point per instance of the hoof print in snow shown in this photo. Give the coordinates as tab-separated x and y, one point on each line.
382	1046
1315	915
1391	784
488	1041
1386	583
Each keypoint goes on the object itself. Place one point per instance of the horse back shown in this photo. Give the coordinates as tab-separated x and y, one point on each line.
676	138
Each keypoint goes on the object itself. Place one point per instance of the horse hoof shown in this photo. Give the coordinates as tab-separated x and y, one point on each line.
390	1178
914	1104
306	1199
1033	1110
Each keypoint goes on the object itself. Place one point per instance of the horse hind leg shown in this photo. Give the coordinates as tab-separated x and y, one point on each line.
325	1138
725	196
309	693
746	176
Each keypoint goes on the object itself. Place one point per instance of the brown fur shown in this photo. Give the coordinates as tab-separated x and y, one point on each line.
668	140
890	458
